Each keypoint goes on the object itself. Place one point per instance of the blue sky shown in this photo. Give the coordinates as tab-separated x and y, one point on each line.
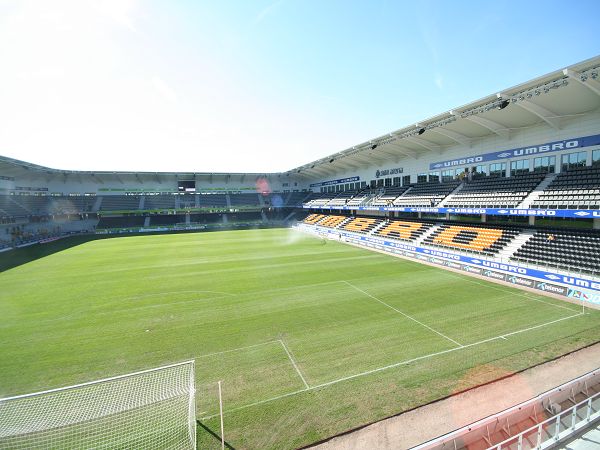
257	85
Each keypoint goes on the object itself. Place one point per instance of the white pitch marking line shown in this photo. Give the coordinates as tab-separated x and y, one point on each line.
404	314
391	366
238	348
294	364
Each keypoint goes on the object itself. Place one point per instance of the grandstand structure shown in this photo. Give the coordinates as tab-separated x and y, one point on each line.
514	177
506	187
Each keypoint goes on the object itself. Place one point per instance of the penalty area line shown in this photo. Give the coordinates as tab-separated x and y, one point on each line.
391	366
294	363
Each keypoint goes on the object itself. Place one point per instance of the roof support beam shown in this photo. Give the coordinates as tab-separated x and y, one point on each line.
589	83
346	164
362	159
403	150
320	171
423	143
456	137
494	127
394	156
547	116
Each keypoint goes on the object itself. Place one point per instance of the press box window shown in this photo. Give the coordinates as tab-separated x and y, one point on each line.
596	158
573	160
498	170
447	175
546	164
519	167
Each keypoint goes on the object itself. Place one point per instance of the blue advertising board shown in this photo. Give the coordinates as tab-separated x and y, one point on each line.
513	272
570	213
334	182
548	147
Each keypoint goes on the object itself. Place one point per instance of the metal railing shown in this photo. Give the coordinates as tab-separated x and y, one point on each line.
552	430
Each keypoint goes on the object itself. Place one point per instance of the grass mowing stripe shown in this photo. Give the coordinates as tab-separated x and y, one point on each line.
404	314
391	366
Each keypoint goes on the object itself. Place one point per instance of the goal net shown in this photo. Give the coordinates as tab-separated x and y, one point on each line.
150	409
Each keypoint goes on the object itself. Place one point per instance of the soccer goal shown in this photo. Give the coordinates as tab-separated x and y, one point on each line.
150	409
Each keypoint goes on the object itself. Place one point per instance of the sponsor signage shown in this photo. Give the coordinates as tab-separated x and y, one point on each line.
495	275
471	269
334	182
520	281
28	188
522	276
556	146
453	265
553	288
387	172
570	213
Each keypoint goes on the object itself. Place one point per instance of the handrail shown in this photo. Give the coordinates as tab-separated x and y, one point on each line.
572	410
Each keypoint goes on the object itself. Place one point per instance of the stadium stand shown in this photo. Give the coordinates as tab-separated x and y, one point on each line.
472	238
403	230
426	194
577	188
562	249
320	200
213	201
495	192
168	219
10	208
312	219
244	199
362	224
162	201
241	217
361	196
37	205
294	199
120	203
187	201
342	198
73	204
206	219
333	221
388	195
121	222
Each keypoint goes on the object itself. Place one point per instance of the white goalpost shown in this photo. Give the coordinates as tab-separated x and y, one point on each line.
150	409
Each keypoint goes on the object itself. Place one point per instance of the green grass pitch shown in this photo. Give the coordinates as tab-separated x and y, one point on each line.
308	339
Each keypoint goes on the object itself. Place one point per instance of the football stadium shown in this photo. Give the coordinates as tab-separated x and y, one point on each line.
435	287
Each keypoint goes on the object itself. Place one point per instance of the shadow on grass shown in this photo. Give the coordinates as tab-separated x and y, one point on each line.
20	256
214	435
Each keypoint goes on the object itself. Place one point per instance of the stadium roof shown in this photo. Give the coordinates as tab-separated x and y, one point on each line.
14	167
547	99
